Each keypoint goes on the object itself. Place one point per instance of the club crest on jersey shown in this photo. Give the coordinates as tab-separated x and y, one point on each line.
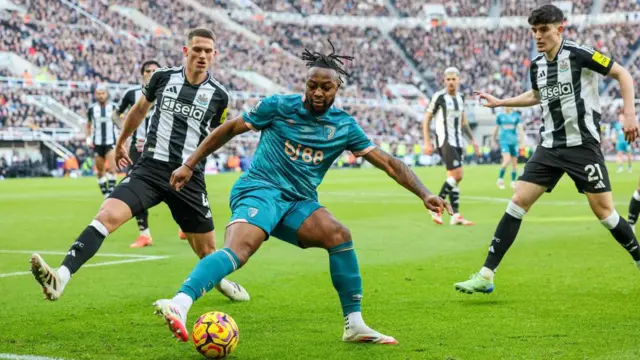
252	212
564	65
203	99
329	131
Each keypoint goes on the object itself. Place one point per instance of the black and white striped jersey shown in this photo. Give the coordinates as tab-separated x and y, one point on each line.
447	111
131	96
103	129
184	114
568	88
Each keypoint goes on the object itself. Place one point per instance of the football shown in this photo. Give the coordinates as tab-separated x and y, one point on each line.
215	335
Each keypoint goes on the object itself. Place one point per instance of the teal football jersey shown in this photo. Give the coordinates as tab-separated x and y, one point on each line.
508	124
297	148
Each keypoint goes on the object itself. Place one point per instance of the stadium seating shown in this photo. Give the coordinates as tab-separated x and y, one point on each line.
454	8
621	6
16	112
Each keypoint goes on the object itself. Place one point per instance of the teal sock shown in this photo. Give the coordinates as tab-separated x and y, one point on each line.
345	275
208	273
501	176
513	175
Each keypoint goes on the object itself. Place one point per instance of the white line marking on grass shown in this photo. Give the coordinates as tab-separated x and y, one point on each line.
132	259
26	357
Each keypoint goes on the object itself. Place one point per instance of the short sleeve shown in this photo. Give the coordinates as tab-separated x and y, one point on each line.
221	114
90	115
499	119
149	90
127	101
358	142
434	104
594	60
533	72
262	114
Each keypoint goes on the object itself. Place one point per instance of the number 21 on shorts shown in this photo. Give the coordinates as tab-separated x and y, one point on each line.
591	172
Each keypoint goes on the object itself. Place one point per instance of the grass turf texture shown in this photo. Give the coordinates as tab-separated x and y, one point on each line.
566	289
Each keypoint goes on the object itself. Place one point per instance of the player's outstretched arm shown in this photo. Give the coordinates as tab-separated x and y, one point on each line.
426	132
529	98
134	118
404	176
629	122
218	137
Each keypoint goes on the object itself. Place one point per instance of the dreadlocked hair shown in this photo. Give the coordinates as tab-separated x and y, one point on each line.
331	61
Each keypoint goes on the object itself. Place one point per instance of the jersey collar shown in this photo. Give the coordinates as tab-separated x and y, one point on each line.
184	75
558	53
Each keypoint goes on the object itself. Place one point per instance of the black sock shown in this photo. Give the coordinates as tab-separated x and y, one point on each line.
634	210
624	235
446	189
111	183
504	236
104	187
83	248
454	197
143	220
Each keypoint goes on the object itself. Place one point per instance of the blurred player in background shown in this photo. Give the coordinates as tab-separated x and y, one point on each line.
507	135
622	146
564	81
131	96
447	106
188	102
101	134
301	137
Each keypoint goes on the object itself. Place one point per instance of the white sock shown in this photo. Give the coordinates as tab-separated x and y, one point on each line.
184	302
487	273
102	180
64	274
146	232
354	320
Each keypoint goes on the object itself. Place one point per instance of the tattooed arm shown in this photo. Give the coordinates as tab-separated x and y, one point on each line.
404	176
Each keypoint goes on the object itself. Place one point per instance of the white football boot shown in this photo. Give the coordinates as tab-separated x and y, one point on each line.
232	290
48	278
174	316
361	333
457	219
500	184
437	218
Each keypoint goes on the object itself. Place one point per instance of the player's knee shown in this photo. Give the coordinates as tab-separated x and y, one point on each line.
339	235
204	248
110	218
520	201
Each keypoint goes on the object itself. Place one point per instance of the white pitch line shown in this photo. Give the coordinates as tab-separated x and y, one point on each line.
26	357
64	253
135	258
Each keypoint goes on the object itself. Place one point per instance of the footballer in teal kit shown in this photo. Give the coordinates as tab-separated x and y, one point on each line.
507	134
301	136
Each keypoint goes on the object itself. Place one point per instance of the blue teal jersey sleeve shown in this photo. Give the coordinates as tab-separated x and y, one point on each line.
262	114
358	142
499	119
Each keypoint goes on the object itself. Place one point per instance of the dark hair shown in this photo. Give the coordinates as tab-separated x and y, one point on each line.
202	32
331	61
147	63
546	14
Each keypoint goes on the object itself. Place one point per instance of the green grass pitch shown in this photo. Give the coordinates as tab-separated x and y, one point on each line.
566	289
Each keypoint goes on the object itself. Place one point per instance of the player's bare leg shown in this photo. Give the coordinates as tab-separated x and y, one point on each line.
241	241
110	158
110	217
102	179
454	177
205	244
603	208
525	195
322	230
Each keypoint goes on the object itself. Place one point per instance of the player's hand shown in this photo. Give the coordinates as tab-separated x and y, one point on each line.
630	127
180	177
491	101
139	145
122	157
428	148
437	204
476	148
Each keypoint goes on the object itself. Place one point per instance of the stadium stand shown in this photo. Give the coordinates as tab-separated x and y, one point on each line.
621	6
